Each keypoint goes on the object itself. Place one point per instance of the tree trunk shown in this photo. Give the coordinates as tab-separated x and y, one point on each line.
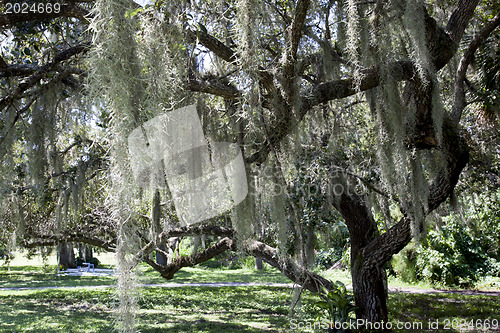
309	244
66	255
161	259
369	286
72	258
369	280
196	244
89	254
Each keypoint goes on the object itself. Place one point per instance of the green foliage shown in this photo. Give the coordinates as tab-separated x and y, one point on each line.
336	304
403	264
451	256
5	254
327	257
228	260
488	78
458	253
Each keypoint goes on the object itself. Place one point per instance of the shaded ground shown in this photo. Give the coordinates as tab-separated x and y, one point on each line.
167	285
34	301
406	290
227	309
409	290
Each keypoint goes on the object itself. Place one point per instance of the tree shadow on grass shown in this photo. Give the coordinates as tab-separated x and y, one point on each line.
250	309
174	324
452	312
48	315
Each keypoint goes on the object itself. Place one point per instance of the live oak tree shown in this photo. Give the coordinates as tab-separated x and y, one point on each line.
372	91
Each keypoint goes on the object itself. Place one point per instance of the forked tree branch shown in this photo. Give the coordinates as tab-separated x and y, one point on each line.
42	72
167	271
295	34
298	274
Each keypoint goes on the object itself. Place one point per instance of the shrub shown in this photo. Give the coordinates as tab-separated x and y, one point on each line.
453	256
327	257
461	251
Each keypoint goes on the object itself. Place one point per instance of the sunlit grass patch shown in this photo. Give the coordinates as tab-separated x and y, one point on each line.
204	309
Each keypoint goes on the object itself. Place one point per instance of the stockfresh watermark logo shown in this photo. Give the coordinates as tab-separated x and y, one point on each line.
171	149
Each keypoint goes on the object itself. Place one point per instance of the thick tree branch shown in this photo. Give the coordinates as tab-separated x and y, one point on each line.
213	44
11	19
213	86
295	31
290	57
18	70
459	102
168	271
460	18
327	91
287	266
40	74
52	240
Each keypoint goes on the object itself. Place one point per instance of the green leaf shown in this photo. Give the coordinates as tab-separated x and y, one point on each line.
132	13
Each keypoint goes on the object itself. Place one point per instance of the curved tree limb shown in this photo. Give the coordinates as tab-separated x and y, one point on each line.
168	271
286	265
381	249
40	74
459	102
460	18
298	274
214	86
213	44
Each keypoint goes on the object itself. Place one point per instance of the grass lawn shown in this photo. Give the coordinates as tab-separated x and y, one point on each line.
207	309
240	309
35	276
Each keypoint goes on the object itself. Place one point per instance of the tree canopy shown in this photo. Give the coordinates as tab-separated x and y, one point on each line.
368	111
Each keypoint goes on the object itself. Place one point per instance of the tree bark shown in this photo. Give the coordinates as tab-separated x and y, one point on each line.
161	258
369	281
370	291
258	264
66	255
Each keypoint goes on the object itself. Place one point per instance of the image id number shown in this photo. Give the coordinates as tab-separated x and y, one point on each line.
35	8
